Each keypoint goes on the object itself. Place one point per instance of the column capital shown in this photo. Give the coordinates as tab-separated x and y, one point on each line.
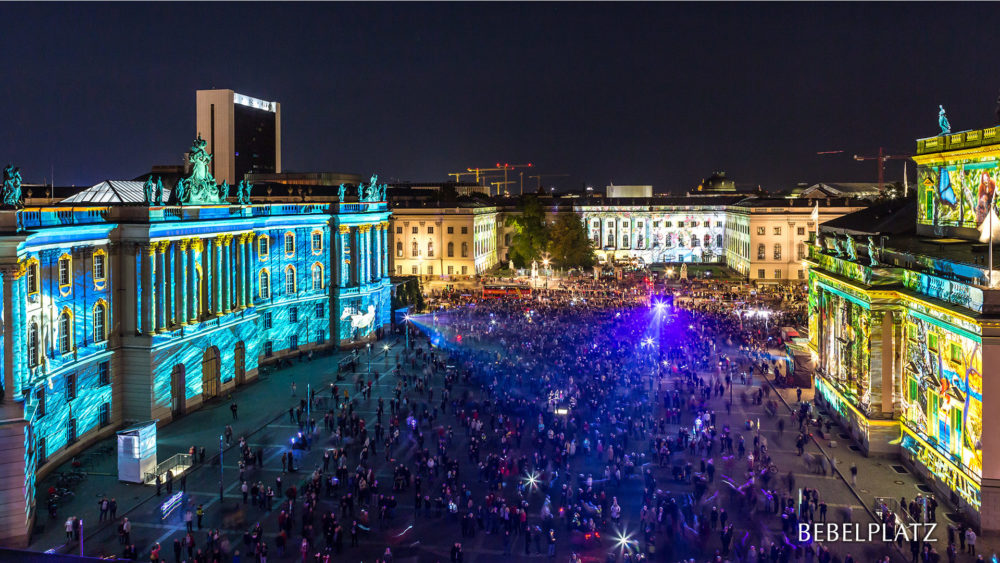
197	244
149	247
364	228
183	244
162	246
344	229
227	239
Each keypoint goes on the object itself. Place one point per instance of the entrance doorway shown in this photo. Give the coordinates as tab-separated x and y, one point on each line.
178	390
210	382
239	363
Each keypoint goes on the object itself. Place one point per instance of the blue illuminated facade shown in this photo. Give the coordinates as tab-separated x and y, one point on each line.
119	313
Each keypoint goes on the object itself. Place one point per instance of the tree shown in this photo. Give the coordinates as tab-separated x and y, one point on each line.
531	235
569	244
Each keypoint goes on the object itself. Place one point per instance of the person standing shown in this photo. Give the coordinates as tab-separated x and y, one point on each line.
854	474
233	408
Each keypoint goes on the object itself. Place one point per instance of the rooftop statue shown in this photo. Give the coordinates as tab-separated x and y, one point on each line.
224	191
943	122
243	192
200	186
12	186
852	248
179	192
836	246
341	193
147	191
872	261
158	197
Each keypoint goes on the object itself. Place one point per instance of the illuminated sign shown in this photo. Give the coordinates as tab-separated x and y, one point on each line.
255	103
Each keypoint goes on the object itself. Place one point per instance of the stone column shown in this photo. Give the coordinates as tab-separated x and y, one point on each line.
195	246
249	270
227	274
180	282
384	255
10	273
216	259
342	268
161	286
148	254
240	268
170	280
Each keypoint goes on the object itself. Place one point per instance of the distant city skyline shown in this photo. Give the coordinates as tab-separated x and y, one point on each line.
661	94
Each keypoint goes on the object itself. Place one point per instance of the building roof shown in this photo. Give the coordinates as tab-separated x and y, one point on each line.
833	189
800	203
114	192
890	217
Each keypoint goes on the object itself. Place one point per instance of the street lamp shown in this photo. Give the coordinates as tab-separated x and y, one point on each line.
385	349
221	475
406	322
369	346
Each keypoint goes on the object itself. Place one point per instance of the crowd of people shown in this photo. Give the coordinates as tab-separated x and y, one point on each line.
594	422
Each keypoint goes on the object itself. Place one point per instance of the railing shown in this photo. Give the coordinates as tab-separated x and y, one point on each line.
177	462
960	140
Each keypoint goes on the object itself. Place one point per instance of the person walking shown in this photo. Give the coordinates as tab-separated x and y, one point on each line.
233	407
970	540
126	530
103	504
201	514
113	508
189	520
854	474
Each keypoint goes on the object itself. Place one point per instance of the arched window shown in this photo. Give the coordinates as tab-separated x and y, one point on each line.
430	249
263	246
289	243
317	276
451	250
399	249
465	250
414	249
264	284
33	345
290	280
65	332
100	318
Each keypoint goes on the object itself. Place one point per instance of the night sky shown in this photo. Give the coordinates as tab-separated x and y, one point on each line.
658	94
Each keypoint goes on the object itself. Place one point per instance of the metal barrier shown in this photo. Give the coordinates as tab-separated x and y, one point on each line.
173	463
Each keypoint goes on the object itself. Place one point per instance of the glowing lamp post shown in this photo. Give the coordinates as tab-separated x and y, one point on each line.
385	350
221	466
406	321
369	346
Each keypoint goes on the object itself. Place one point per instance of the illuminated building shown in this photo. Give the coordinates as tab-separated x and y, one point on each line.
904	326
446	242
766	237
117	309
243	133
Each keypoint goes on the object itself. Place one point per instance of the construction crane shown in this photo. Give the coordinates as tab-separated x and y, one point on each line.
498	184
458	175
538	179
881	159
505	168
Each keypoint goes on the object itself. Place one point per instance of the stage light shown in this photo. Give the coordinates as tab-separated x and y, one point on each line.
623	540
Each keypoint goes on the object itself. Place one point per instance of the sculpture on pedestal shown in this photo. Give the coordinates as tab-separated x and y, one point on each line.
12	186
200	186
943	122
852	249
872	261
147	191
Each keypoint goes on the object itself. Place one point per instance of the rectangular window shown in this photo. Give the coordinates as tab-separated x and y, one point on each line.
293	342
914	389
777	230
800	231
413	270
399	270
451	270
465	270
668	224
932	342
40	401
71	431
777	274
911	331
761	230
64	278
680	224
718	223
399	230
293	315
32	277
317	241
320	310
71	386
263	246
414	229
99	274
465	230
40	451
430	270
321	336
430	230
777	252
268	349
104	373
104	418
761	251
956	353
761	274
656	224
267	320
451	230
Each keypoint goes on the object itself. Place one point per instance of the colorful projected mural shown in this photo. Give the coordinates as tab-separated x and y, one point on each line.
942	391
844	339
959	194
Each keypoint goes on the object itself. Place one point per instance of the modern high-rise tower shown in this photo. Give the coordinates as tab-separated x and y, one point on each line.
243	133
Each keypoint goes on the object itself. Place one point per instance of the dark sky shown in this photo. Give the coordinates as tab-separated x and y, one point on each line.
635	93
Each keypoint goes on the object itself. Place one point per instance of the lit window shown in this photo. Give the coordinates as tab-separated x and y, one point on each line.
65	279
317	277
465	249
100	316
777	230
32	277
800	231
317	242
290	280
430	249
761	230
33	345
65	332
777	252
289	243
265	284
99	270
263	246
399	250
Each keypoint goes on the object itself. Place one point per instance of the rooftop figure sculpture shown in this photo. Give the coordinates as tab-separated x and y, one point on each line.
943	122
12	186
872	260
